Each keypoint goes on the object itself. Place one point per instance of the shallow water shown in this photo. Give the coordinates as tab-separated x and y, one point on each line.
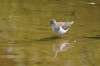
25	39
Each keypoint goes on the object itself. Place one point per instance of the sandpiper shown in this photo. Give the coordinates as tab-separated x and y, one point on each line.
60	27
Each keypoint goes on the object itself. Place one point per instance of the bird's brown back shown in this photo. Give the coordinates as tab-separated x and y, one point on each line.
65	25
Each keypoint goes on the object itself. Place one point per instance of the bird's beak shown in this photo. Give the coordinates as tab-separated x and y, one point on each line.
49	24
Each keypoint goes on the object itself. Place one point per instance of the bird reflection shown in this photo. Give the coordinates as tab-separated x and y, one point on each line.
62	46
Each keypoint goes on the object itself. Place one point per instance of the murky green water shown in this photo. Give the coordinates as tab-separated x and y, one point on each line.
25	39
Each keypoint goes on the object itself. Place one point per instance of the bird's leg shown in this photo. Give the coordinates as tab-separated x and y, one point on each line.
61	36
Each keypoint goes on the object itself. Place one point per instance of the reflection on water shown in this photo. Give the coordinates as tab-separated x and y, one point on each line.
61	46
91	2
12	55
10	52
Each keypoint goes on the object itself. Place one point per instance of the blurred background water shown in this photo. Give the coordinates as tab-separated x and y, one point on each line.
25	39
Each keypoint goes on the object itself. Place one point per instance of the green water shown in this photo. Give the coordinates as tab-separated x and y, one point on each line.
25	39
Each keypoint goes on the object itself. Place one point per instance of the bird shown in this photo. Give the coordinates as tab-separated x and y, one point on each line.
60	28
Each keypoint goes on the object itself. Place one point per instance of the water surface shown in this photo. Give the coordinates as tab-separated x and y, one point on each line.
25	39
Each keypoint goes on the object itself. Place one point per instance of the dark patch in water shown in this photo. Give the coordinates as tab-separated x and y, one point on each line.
98	35
48	38
94	37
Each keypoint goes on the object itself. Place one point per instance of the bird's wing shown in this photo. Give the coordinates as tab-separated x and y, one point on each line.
65	25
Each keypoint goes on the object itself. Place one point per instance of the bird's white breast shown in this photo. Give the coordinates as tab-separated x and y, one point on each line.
60	31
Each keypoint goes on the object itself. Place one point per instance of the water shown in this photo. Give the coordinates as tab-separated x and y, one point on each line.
25	39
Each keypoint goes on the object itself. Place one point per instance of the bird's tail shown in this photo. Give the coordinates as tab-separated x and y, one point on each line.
72	22
69	23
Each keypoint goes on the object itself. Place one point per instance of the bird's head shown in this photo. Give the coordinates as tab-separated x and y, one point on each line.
53	21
